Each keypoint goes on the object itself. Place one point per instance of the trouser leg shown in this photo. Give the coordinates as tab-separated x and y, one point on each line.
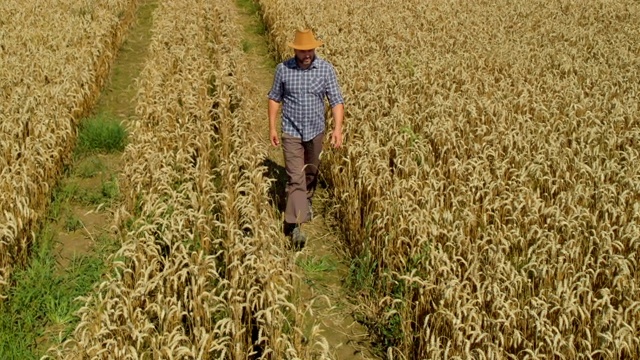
302	160
312	151
297	207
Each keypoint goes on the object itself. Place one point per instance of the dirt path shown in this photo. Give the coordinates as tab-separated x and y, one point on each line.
91	186
321	265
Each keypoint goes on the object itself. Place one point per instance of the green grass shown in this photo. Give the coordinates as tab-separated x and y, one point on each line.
40	308
246	45
41	303
69	192
313	265
109	189
101	134
59	203
72	223
252	7
317	270
255	37
362	272
90	167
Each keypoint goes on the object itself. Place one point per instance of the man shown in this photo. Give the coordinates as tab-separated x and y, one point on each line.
301	84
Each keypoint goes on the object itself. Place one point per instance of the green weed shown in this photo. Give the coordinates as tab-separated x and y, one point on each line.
41	305
90	167
60	199
110	189
246	45
314	265
252	7
101	133
391	331
72	223
107	192
362	272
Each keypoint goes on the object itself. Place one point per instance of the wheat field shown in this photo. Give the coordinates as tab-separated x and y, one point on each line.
490	181
488	193
55	56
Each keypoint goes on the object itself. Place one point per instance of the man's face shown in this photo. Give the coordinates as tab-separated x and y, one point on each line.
305	57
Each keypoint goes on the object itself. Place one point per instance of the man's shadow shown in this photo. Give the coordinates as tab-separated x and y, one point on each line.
277	190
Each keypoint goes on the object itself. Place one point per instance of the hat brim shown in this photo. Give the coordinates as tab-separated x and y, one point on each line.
305	46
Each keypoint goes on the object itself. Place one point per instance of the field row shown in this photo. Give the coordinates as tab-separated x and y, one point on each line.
55	57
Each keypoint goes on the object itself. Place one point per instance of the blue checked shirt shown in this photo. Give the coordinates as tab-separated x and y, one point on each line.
302	94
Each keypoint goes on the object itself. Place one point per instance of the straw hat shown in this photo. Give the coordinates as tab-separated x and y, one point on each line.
304	40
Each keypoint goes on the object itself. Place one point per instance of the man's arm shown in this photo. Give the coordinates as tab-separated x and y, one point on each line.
338	115
336	101
275	98
274	106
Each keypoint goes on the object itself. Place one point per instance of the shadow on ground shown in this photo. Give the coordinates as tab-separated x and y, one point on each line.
277	190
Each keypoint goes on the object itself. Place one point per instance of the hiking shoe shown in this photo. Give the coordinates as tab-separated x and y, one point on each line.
287	228
298	239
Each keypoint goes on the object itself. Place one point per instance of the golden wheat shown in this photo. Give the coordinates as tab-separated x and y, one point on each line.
55	57
490	170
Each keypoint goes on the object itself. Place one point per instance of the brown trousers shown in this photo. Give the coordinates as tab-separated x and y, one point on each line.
301	159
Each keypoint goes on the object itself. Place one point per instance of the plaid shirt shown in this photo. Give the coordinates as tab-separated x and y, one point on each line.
302	93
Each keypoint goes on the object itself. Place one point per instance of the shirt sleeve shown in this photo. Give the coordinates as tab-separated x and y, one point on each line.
333	89
277	89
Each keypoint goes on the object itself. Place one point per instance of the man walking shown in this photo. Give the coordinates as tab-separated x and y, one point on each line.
301	84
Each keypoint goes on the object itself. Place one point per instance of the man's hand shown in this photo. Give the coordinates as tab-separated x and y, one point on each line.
273	135
336	138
